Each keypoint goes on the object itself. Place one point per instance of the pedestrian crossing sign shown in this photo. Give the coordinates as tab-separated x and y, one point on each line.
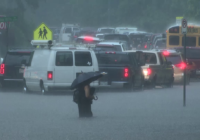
42	32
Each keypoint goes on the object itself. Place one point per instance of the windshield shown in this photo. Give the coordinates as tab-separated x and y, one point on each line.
113	59
108	48
175	59
16	58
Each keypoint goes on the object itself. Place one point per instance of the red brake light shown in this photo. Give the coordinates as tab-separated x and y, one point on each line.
181	65
126	72
2	69
49	75
148	71
166	53
145	46
88	38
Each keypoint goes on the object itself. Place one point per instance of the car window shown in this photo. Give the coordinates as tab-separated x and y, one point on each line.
16	58
113	59
83	59
68	30
175	59
150	58
173	40
64	59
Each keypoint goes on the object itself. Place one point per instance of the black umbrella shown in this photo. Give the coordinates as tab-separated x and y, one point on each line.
86	78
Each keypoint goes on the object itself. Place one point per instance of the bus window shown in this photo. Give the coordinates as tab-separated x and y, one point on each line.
173	40
190	41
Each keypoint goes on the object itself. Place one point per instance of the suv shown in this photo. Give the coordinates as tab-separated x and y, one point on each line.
179	65
193	60
12	68
111	46
57	67
67	32
157	70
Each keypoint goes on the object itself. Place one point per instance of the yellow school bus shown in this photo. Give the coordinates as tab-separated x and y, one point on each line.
175	38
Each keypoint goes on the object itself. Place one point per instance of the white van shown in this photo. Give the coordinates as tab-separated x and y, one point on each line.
57	67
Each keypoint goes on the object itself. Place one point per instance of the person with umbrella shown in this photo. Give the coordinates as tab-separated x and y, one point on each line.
85	92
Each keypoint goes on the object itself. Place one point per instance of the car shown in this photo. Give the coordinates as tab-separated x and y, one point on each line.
160	44
120	37
157	70
12	67
122	30
67	32
122	68
56	67
111	46
193	60
106	30
178	65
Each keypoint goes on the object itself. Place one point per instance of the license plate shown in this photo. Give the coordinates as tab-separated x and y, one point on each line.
21	70
103	83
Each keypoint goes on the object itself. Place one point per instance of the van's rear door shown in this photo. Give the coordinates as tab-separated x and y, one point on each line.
64	70
15	62
83	62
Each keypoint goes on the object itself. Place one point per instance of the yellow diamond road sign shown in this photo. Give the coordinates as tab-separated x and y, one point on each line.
42	32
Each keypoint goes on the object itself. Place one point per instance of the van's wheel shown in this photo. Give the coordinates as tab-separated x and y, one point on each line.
25	89
42	89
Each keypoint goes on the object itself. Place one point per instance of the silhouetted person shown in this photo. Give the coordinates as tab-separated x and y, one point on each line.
40	33
44	33
85	101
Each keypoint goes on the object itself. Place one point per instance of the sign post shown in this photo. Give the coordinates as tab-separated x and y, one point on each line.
184	31
6	21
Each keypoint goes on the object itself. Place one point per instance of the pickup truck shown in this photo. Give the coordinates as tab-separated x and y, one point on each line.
122	68
157	70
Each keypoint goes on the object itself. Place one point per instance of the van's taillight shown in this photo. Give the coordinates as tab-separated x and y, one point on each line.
126	72
2	69
50	75
181	65
147	72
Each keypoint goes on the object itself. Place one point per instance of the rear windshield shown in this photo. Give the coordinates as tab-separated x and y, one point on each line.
191	53
17	58
113	59
175	59
108	48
